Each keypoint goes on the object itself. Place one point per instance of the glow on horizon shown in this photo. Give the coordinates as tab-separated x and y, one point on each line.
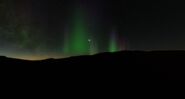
34	57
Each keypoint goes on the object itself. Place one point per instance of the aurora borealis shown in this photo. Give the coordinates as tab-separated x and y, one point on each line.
45	29
78	40
35	29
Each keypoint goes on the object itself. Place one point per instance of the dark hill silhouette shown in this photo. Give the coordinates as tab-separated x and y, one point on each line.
122	65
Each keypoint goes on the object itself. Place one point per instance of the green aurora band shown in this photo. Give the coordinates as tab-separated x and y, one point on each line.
22	32
76	42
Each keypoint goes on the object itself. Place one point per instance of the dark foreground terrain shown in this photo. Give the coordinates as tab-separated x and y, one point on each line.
126	65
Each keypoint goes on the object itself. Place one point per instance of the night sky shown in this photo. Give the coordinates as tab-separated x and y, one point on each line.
35	29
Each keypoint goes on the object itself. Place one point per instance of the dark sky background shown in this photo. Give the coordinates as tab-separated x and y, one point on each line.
60	28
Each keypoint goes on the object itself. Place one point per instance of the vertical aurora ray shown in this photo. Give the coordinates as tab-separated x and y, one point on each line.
113	46
79	38
122	43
